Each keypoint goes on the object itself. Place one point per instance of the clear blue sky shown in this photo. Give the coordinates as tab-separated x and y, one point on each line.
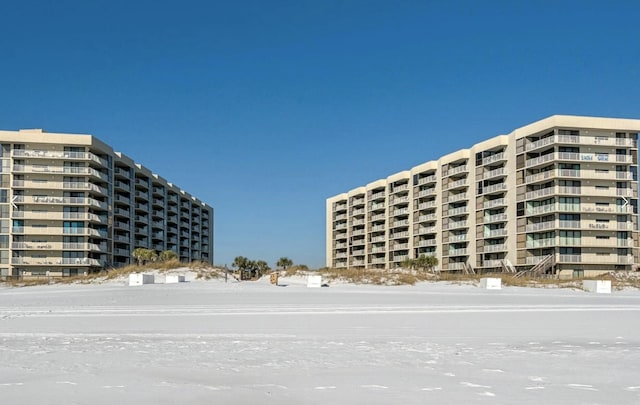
264	109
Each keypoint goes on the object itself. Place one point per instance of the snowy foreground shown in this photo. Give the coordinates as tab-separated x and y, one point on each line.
255	343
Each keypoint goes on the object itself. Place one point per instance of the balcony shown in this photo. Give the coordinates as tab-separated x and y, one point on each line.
426	180
495	233
495	248
457	184
399	200
400	258
357	202
142	183
541	226
455	225
427	205
426	229
499	202
427	192
401	223
458	252
426	243
495	218
541	193
457	197
494	188
399	235
427	218
456	266
457	211
540	143
400	188
494	173
458	238
403	211
456	170
494	158
491	263
540	243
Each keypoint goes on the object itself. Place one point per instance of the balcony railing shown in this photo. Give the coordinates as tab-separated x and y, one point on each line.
494	158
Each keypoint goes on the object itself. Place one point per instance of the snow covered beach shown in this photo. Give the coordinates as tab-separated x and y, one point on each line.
252	342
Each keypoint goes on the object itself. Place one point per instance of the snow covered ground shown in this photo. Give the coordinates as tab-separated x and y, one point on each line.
255	343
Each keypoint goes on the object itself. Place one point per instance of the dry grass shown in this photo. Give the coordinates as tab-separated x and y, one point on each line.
376	276
203	270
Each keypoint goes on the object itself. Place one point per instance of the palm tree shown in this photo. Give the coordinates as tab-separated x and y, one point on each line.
139	255
167	255
284	262
262	267
241	263
408	263
426	263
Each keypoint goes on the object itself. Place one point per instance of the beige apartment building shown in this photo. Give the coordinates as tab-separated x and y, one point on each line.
71	205
558	196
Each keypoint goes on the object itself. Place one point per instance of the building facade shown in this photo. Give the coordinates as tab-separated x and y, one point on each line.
558	196
71	205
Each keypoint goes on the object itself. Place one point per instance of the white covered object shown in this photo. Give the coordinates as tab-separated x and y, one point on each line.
140	279
490	283
314	281
597	286
173	278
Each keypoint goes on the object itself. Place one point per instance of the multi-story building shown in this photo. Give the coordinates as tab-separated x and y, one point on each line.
71	205
560	194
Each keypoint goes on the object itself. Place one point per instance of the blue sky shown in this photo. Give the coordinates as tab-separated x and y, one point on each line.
264	109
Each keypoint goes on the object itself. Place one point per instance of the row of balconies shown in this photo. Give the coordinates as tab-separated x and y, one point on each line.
585	258
583	207
581	140
64	155
54	230
579	157
584	224
592	242
53	260
44	169
58	216
60	185
59	200
584	190
49	245
583	173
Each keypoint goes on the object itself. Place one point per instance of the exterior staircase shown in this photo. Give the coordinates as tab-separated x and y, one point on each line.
547	263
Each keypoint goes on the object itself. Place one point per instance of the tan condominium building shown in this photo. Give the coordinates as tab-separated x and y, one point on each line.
71	205
558	196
